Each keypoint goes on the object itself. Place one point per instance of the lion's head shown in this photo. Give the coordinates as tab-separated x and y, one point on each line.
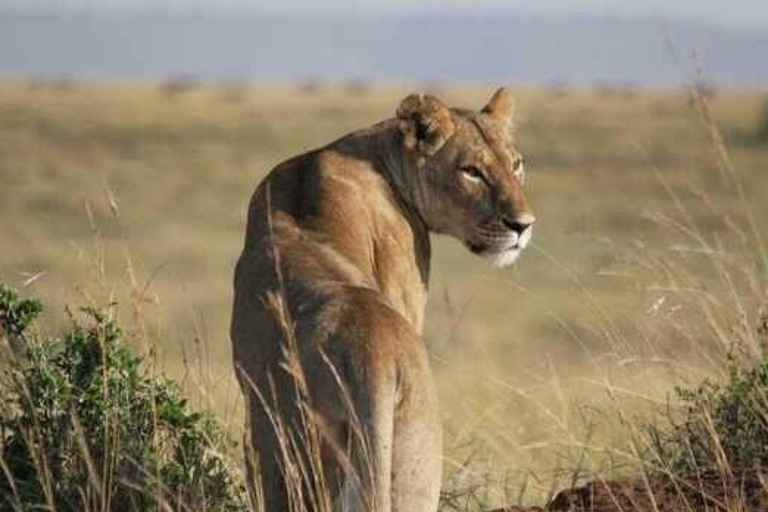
467	175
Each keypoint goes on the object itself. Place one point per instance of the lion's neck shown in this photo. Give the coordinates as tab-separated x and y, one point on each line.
398	169
370	213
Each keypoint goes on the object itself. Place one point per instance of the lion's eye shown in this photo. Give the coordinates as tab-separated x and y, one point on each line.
518	169
472	173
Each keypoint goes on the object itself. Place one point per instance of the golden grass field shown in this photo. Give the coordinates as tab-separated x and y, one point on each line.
645	271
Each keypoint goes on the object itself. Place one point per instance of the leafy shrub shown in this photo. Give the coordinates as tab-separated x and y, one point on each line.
82	427
730	420
724	429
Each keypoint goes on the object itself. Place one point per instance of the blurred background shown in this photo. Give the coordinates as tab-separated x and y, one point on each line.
560	42
132	133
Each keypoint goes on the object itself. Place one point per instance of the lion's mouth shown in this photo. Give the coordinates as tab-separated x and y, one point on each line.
476	248
486	249
501	248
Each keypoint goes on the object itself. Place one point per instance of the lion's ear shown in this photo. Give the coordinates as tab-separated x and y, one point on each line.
501	106
425	123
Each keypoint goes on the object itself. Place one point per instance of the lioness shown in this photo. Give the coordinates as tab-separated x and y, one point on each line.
330	292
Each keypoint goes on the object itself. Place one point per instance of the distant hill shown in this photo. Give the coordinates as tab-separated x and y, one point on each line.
565	49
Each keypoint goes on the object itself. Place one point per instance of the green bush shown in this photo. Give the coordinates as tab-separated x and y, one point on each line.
724	428
82	427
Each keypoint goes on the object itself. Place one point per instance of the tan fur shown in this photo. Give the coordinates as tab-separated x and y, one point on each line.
337	245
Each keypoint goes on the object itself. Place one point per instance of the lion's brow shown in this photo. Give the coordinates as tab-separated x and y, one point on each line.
490	142
480	128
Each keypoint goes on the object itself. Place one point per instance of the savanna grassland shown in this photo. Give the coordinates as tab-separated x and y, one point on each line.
647	269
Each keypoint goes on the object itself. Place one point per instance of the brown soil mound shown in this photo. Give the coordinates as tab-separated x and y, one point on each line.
708	493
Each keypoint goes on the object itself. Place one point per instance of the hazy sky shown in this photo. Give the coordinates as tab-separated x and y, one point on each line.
750	14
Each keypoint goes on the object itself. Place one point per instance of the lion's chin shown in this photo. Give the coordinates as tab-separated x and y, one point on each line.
497	258
504	258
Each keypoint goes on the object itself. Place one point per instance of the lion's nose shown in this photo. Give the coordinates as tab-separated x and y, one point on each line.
519	223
